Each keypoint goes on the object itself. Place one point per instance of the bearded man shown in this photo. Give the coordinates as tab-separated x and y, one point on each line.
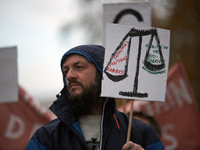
85	120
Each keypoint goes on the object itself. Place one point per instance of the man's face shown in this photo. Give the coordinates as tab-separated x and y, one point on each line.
79	74
83	85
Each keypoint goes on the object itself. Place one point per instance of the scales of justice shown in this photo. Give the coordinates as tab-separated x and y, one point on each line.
117	75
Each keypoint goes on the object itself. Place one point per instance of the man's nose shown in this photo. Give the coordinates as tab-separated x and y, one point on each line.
71	74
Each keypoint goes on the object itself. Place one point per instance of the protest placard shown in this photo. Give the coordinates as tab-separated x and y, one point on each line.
132	13
136	62
8	75
20	120
178	117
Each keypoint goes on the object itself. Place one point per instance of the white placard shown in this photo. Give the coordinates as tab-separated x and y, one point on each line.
136	62
132	13
8	75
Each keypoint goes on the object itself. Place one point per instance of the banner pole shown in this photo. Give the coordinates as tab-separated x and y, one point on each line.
130	122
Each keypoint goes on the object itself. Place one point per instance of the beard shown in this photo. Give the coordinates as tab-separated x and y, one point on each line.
88	99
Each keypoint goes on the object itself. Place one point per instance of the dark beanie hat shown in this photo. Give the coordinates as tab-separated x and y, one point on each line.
93	53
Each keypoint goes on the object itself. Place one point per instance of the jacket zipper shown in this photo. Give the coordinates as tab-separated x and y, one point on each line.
101	134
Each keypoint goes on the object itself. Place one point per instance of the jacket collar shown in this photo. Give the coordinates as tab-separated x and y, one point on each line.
60	108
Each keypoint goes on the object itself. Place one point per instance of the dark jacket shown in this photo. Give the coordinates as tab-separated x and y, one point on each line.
64	133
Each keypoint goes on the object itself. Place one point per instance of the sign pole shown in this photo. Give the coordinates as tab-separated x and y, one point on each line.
130	122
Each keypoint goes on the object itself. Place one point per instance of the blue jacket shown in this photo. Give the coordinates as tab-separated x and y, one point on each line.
64	133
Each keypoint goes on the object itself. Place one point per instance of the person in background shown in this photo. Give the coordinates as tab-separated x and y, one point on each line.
149	120
85	120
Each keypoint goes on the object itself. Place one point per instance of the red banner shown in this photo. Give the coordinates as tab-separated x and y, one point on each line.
19	121
178	116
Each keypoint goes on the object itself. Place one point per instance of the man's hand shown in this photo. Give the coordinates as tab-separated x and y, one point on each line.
131	146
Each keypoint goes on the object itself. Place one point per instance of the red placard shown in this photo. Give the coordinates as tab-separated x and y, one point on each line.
19	120
178	116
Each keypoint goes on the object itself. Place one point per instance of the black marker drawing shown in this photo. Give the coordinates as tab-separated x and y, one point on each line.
117	75
154	67
128	12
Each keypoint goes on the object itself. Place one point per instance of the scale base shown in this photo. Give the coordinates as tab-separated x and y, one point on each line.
133	94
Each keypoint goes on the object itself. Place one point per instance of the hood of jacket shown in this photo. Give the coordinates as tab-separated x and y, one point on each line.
95	55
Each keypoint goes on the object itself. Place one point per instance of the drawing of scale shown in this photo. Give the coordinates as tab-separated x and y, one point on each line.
120	58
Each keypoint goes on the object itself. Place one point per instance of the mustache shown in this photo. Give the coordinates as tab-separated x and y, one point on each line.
74	81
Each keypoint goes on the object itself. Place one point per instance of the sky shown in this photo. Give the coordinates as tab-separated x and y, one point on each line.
33	27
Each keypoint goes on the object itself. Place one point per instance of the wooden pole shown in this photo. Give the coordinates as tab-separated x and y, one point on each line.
130	122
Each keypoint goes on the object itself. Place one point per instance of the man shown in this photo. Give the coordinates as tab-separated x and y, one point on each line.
86	120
